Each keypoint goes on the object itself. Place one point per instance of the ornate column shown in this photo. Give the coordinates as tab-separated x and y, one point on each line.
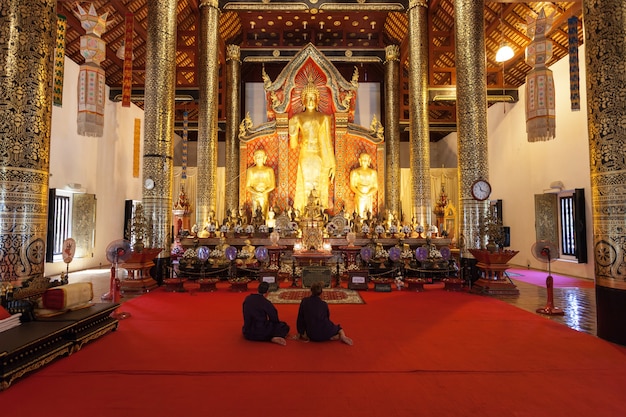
206	196
233	112
159	121
418	106
471	92
605	43
392	129
27	39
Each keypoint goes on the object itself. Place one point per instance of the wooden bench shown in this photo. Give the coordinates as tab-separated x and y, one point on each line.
34	344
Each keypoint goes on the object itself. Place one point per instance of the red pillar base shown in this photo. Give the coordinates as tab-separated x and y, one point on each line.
551	311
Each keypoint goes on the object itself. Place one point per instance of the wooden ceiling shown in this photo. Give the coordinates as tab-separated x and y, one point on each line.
360	32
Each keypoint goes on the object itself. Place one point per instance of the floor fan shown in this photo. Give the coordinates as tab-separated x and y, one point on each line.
69	249
117	251
545	251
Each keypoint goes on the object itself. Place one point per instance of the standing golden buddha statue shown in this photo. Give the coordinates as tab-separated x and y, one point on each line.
311	131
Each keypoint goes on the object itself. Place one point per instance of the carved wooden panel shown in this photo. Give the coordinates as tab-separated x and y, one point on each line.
547	218
84	224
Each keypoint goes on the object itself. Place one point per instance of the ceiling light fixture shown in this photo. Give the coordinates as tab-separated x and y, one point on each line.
505	52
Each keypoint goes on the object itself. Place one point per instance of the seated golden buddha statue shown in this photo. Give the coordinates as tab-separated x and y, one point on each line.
247	254
260	181
364	184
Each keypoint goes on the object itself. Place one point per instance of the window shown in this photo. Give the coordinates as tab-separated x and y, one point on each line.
59	223
70	215
560	219
566	227
572	225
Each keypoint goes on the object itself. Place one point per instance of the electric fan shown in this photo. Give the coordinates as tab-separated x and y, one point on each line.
69	249
117	251
546	251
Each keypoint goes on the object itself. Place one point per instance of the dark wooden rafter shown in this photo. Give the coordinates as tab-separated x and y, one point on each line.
354	33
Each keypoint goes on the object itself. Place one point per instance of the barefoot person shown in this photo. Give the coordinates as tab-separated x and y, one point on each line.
260	318
313	320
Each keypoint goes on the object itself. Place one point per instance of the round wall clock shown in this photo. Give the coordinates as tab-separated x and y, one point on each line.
481	190
148	183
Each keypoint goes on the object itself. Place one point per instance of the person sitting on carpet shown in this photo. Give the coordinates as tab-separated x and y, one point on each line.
260	318
313	320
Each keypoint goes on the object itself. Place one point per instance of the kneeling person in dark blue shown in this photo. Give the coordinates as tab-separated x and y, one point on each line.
260	318
314	319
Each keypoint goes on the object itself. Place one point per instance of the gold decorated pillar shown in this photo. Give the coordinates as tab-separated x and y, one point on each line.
392	129
206	196
471	91
605	43
418	107
159	121
27	40
233	111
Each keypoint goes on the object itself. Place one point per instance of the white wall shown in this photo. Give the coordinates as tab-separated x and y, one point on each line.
103	166
519	169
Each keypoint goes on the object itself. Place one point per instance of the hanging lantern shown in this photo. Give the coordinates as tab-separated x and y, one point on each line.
91	78
540	98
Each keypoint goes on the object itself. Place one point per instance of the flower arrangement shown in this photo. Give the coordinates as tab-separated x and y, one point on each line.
238	229
210	228
419	228
434	253
244	255
346	229
433	229
379	229
393	229
406	254
249	229
194	229
399	282
263	228
406	229
293	226
224	229
216	253
381	253
190	254
365	229
285	268
331	228
177	250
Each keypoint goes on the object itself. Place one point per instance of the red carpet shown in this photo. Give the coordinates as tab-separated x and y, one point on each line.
535	277
433	353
